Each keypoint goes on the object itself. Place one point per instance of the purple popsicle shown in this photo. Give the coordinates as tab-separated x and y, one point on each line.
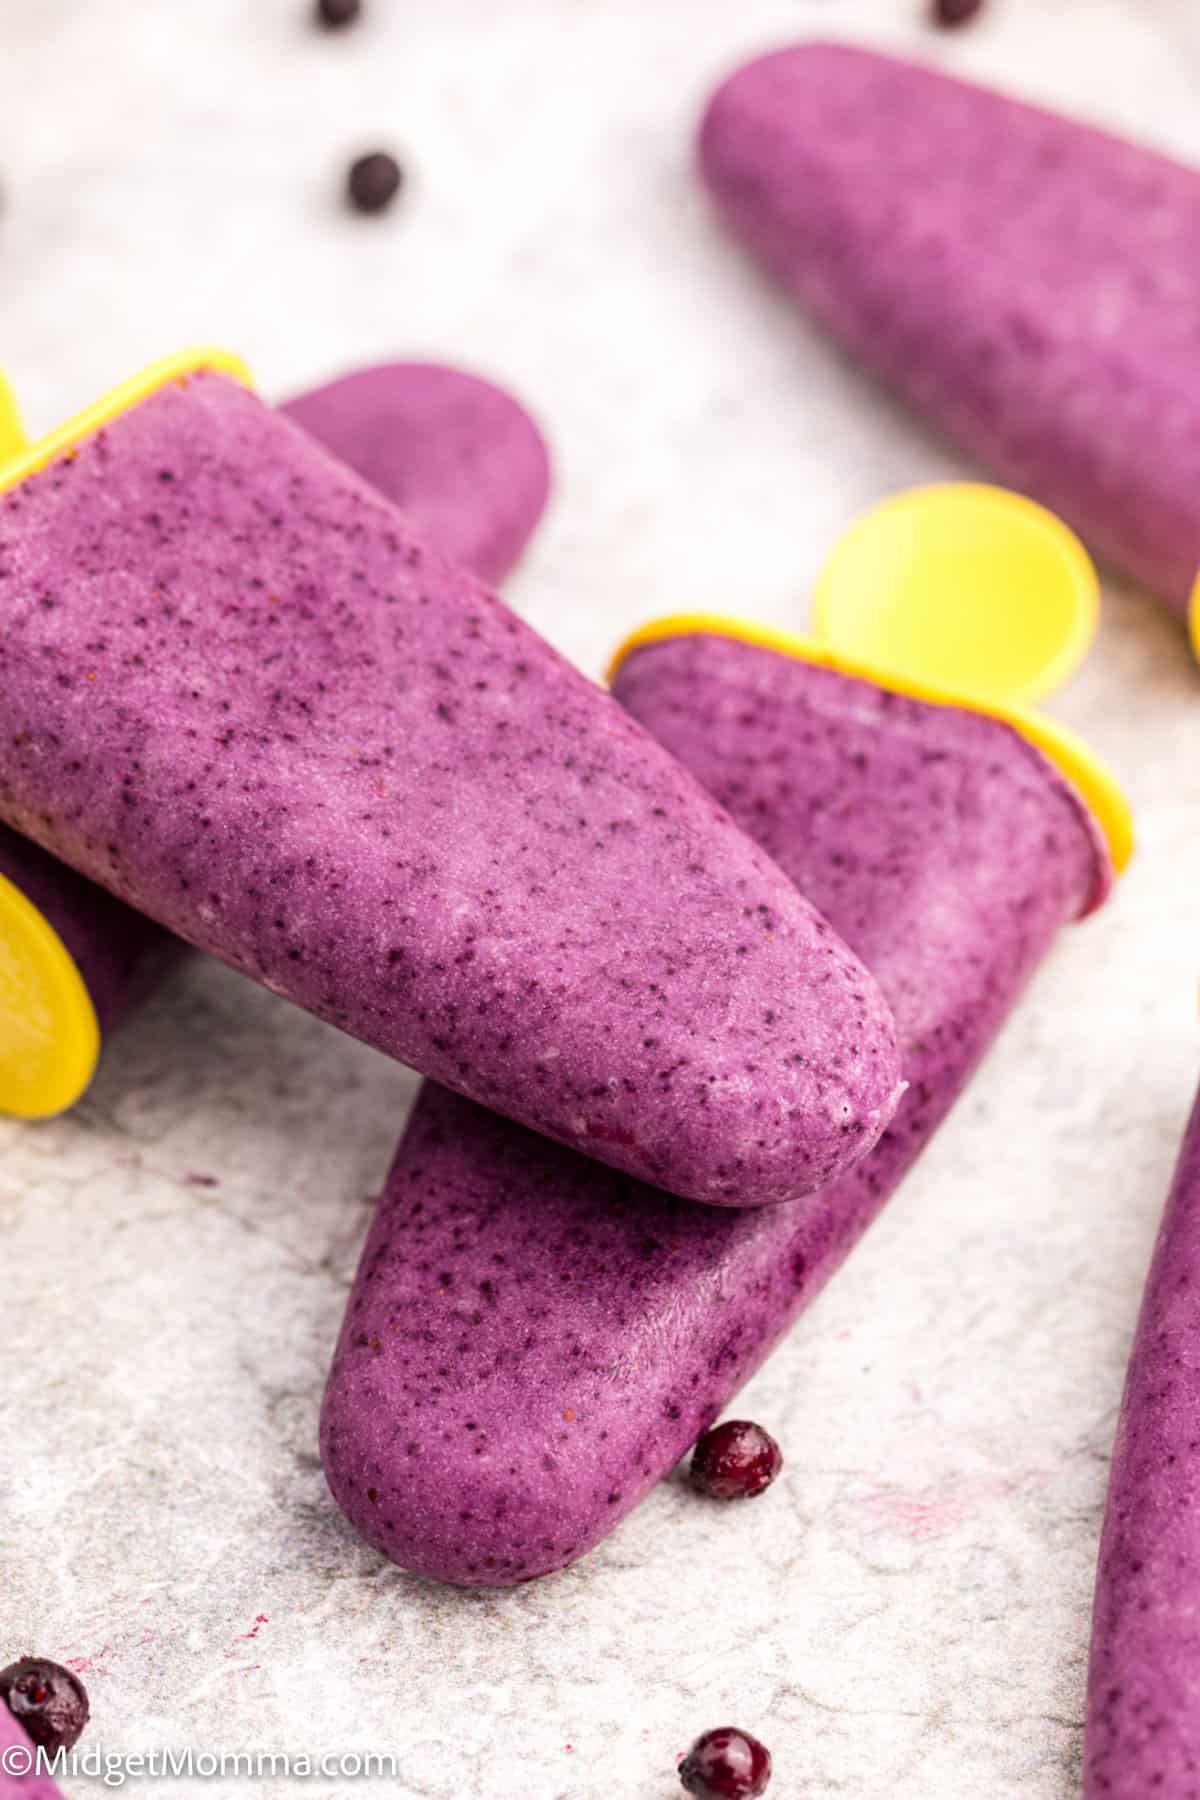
469	466
243	695
466	463
20	1778
1029	284
533	1341
1143	1712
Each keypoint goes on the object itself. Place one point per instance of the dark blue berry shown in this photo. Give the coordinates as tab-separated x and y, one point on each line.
334	14
726	1764
955	12
735	1461
47	1701
374	181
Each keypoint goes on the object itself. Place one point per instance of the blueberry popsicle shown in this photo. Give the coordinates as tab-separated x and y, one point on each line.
533	1341
471	470
1027	283
240	693
457	454
1143	1711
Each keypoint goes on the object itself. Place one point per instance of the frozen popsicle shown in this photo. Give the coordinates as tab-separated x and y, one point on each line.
1031	285
1143	1712
20	1776
471	470
238	691
457	454
532	1341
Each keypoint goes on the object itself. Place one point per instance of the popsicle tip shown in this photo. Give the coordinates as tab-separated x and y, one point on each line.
49	1032
403	1494
361	415
727	144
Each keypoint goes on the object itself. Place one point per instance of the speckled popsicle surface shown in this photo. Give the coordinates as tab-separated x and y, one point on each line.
456	453
1142	1739
1029	284
470	468
15	1752
533	1341
241	694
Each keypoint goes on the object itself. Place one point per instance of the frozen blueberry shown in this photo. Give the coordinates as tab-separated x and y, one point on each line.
735	1461
374	181
726	1764
336	13
47	1701
955	12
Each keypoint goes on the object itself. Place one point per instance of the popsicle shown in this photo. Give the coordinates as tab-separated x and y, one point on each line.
532	1341
20	1777
239	692
1029	284
1143	1712
471	469
458	455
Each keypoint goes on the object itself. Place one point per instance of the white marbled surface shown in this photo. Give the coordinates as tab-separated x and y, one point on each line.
905	1615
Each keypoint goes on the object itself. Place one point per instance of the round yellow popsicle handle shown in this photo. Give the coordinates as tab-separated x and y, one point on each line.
968	587
12	437
49	1033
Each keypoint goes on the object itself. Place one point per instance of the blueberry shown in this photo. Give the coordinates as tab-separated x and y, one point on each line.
735	1461
374	181
726	1764
955	12
46	1700
336	13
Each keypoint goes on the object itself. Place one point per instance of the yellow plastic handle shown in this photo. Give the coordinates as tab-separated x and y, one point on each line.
971	587
49	1033
12	437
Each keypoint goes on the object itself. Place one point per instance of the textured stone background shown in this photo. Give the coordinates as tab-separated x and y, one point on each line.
906	1614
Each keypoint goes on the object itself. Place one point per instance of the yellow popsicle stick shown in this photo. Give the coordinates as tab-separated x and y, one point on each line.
1077	762
12	437
971	587
49	1032
1194	618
